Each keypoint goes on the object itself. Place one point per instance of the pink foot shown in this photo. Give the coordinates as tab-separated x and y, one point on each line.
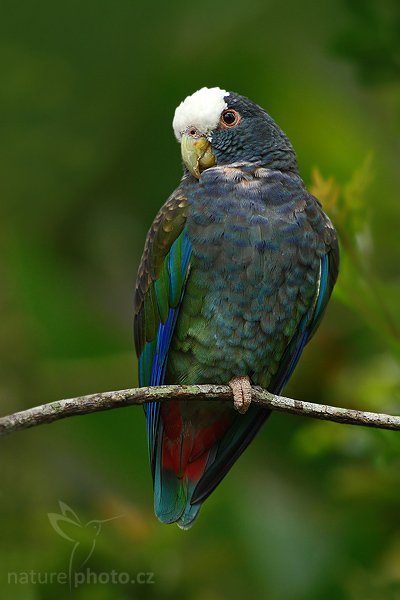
241	388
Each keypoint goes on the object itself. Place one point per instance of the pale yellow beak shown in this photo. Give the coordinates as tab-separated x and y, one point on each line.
197	154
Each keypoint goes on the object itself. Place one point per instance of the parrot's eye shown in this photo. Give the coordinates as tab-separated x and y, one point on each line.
229	118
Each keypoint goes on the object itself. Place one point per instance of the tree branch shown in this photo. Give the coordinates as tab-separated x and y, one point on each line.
47	413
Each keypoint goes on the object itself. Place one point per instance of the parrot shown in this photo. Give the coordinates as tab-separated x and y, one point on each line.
236	272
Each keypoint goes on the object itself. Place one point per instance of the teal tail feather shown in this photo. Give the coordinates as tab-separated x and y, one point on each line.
181	487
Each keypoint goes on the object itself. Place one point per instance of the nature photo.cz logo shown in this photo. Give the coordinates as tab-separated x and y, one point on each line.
82	537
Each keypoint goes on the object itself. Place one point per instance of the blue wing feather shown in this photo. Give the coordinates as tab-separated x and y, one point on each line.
323	290
153	359
306	328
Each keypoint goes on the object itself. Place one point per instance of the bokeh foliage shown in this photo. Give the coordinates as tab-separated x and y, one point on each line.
87	157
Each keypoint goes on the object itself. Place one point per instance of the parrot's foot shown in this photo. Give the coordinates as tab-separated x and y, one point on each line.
241	388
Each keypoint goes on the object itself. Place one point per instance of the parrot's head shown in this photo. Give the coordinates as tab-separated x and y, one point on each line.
216	127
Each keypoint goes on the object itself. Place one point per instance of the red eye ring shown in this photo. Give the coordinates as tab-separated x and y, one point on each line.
229	118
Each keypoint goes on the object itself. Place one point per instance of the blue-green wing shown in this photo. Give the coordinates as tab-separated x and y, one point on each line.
159	290
329	266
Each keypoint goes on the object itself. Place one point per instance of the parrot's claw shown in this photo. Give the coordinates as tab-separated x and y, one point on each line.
241	388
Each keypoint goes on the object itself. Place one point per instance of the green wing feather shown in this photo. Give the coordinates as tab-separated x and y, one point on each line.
160	284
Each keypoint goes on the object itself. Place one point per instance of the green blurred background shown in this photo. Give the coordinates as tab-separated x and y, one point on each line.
87	94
